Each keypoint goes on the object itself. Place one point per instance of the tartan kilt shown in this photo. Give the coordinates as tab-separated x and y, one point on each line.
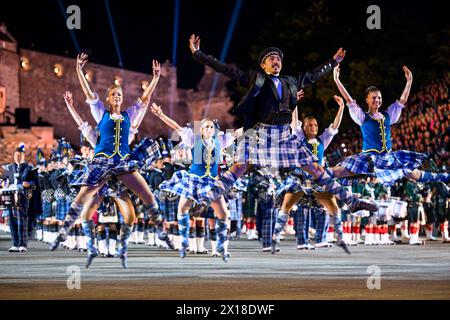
188	185
168	205
146	152
170	209
273	146
235	207
101	168
387	167
61	209
47	209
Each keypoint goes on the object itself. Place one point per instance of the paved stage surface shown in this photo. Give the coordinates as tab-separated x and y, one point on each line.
407	272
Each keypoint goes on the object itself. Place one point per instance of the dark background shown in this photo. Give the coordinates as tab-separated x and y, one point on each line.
309	32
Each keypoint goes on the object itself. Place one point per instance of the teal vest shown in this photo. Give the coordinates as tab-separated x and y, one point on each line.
113	136
205	162
376	134
317	149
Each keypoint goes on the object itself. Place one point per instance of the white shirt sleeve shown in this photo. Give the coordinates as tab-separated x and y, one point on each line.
131	134
356	113
97	108
89	133
299	131
226	139
187	136
394	111
328	135
135	110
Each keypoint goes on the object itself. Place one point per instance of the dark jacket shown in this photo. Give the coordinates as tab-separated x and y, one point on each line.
250	107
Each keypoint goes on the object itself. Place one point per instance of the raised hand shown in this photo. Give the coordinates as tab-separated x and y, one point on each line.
81	60
194	43
339	56
156	110
300	95
339	101
156	68
408	74
68	98
336	72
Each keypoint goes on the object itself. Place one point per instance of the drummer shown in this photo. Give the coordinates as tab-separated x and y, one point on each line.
20	176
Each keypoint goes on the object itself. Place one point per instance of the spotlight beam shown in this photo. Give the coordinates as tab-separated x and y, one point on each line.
175	32
173	89
228	37
72	33
113	31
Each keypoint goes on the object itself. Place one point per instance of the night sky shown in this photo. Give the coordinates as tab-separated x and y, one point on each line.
145	28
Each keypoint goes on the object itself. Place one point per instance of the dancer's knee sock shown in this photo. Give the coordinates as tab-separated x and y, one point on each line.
183	227
281	221
330	185
427	176
125	232
72	215
221	186
338	224
221	233
89	230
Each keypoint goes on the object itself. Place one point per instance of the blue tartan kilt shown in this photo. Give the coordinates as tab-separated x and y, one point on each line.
47	211
235	207
387	167
170	208
273	146
102	168
61	209
146	152
188	185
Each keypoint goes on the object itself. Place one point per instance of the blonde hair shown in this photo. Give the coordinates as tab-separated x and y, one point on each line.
112	87
206	120
307	119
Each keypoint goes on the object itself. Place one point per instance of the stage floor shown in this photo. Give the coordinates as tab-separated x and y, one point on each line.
406	272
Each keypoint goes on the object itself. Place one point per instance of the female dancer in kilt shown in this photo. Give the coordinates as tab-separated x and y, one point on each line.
267	110
113	157
206	147
114	188
377	158
292	190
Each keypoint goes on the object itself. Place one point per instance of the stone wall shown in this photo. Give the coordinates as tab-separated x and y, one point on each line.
41	90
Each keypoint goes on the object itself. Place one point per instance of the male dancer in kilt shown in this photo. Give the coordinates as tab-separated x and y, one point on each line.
267	109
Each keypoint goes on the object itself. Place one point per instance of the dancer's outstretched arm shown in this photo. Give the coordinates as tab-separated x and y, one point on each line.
146	96
332	130
409	79
342	90
69	103
84	127
338	119
312	76
81	61
356	113
295	121
394	111
233	72
157	111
